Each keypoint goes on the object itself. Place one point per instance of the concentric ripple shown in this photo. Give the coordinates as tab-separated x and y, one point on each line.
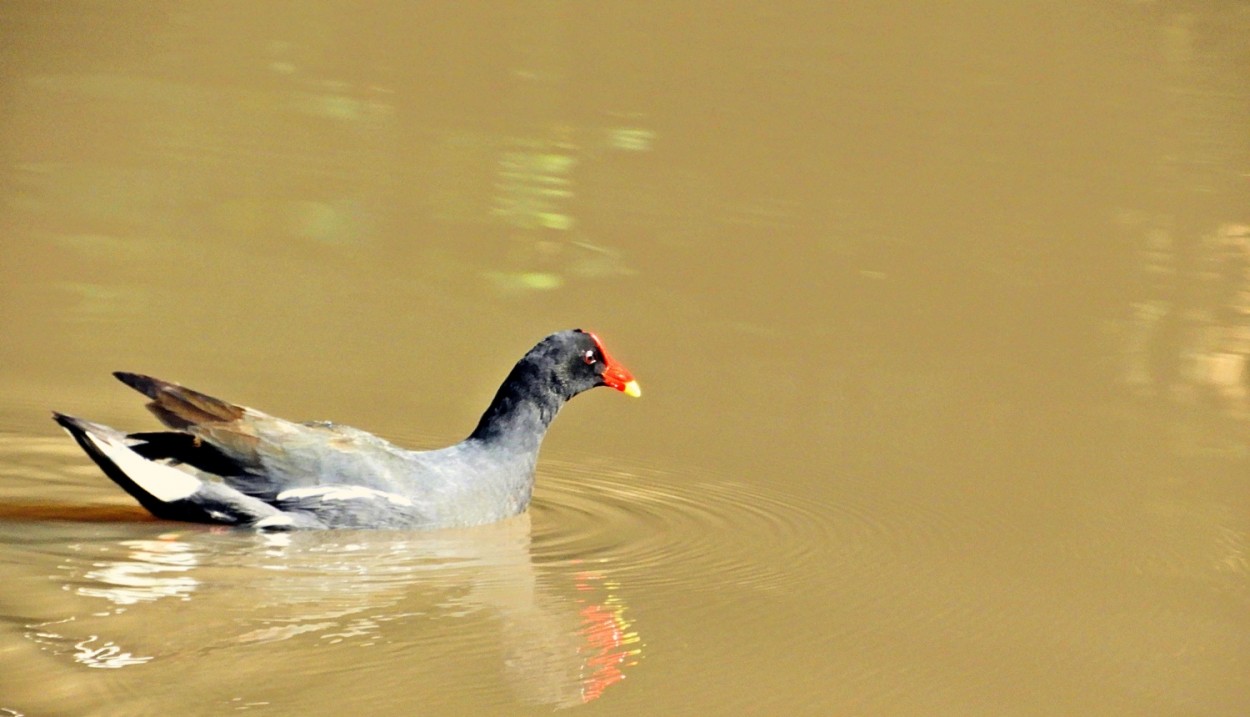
640	519
653	526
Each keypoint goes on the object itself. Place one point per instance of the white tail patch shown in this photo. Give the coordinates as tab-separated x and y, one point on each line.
343	492
162	482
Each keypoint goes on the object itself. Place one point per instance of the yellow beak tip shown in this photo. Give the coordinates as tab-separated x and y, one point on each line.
632	389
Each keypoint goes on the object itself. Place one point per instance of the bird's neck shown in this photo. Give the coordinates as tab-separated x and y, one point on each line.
520	413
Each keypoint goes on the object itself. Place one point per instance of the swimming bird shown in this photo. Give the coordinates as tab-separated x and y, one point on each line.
229	464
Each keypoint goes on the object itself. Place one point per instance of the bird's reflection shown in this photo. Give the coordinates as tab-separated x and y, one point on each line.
153	569
565	632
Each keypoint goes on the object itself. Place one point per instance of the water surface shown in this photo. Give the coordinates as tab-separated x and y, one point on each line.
940	314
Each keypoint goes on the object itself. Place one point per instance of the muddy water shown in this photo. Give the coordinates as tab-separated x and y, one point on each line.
940	317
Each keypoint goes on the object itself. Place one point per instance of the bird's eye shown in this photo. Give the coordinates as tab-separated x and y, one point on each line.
589	357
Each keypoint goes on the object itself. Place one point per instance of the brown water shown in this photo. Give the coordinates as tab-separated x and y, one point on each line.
941	316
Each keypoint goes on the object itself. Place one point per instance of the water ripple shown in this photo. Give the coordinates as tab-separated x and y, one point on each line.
640	520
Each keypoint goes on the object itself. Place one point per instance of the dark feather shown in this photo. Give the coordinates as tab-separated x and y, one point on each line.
179	407
79	429
185	448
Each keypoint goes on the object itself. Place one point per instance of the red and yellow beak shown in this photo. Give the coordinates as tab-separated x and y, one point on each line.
616	375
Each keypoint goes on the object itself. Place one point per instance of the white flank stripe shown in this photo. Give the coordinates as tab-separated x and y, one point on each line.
162	482
342	492
274	521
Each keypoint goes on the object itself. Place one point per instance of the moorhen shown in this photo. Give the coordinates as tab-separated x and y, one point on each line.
229	464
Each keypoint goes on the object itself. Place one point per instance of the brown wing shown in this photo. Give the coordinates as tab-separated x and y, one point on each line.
179	407
271	453
231	428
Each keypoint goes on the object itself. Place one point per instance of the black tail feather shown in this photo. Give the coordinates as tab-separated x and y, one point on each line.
184	448
172	493
80	429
